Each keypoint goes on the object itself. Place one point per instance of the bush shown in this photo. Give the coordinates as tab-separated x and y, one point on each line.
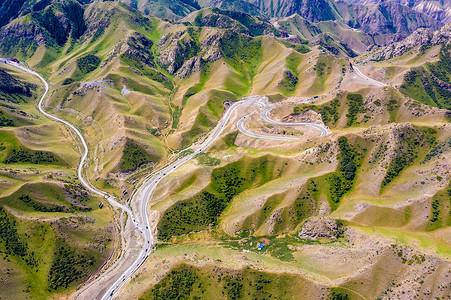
134	156
5	121
408	151
178	284
241	51
191	215
24	155
207	160
288	82
355	104
88	63
37	206
329	113
339	296
343	180
68	81
68	266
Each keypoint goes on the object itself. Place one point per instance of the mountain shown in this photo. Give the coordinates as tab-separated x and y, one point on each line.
312	10
358	210
439	10
54	25
421	38
170	9
386	18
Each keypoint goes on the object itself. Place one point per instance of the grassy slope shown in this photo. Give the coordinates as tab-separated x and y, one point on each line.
273	198
35	202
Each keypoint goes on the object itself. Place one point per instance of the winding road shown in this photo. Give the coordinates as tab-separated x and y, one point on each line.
145	191
85	153
260	101
370	80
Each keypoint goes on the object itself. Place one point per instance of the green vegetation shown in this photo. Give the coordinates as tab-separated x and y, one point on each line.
10	85
288	83
188	282
355	104
241	52
437	149
407	151
207	160
176	113
178	284
68	81
191	215
430	84
230	139
207	116
134	156
336	295
69	265
323	69
435	210
198	212
5	121
297	47
37	206
342	181
13	243
88	63
440	209
24	155
329	112
276	246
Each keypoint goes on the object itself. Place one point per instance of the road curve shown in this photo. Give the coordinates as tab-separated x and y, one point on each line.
370	80
264	115
240	127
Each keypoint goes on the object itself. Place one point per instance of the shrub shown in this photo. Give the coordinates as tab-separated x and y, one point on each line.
68	266
68	81
355	104
88	63
24	155
134	156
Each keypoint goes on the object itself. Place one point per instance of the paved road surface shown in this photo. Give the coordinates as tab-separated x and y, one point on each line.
240	127
370	80
264	115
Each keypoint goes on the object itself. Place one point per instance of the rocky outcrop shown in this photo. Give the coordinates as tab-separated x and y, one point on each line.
181	55
210	45
172	57
189	66
316	228
308	115
139	47
224	22
439	10
386	18
420	37
51	26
